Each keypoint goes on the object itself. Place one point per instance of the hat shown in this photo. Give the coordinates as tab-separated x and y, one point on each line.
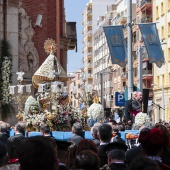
63	145
3	150
116	145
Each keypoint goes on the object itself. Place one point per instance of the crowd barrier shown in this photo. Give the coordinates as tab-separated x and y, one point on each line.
64	136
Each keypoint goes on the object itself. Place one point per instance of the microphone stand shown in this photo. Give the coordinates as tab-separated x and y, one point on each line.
159	108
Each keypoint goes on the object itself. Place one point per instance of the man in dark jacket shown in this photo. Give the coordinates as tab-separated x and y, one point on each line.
13	142
128	108
77	130
4	132
105	135
116	160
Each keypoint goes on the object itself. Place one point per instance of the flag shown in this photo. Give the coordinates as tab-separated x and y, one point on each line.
116	44
153	46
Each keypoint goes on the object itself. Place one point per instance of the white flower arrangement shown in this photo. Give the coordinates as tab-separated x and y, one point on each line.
141	119
95	111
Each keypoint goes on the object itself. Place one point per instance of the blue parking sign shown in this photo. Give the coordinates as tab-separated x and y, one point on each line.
119	99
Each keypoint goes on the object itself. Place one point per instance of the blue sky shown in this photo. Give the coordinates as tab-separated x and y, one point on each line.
74	9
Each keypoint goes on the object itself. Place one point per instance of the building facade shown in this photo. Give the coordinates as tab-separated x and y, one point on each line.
162	75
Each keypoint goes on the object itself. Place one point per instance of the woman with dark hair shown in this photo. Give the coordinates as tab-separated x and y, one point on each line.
153	143
165	156
71	155
87	160
86	144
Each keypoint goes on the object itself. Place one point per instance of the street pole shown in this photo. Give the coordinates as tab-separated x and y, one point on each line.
101	81
163	102
130	65
140	67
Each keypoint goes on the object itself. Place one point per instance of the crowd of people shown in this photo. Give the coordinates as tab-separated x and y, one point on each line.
106	151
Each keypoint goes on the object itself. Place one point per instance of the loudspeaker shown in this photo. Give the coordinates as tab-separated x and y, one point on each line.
145	98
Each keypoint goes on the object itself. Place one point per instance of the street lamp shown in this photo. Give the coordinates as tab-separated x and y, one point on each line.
163	99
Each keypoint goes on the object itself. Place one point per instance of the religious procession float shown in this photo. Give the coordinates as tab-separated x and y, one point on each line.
51	105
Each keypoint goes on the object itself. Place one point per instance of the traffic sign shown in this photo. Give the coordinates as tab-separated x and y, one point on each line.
119	99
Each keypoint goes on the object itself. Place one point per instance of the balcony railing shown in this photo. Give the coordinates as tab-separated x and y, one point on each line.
89	23
120	18
145	2
146	19
147	73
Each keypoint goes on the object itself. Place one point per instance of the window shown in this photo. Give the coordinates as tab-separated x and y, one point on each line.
169	29
162	8
168	54
162	33
157	13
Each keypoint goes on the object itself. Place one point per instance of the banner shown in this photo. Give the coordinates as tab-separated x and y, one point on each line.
153	46
116	44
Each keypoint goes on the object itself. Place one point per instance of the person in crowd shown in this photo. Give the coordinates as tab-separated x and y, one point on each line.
143	163
116	136
116	160
128	108
94	131
38	153
153	142
132	153
105	135
77	130
13	142
116	116
62	151
4	132
137	105
165	156
86	144
4	159
121	127
45	131
71	155
87	160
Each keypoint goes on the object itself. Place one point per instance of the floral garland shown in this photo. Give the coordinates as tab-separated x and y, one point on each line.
141	119
95	111
6	109
60	120
6	72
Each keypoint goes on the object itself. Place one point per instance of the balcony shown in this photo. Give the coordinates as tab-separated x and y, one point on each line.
146	3
146	19
89	44
89	34
89	56
89	23
121	20
89	13
90	76
147	74
90	66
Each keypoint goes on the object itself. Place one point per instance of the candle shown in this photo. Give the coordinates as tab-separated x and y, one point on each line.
20	88
20	75
54	88
28	88
12	90
40	88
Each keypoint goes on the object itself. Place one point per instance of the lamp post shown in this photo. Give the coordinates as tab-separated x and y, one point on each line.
163	99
